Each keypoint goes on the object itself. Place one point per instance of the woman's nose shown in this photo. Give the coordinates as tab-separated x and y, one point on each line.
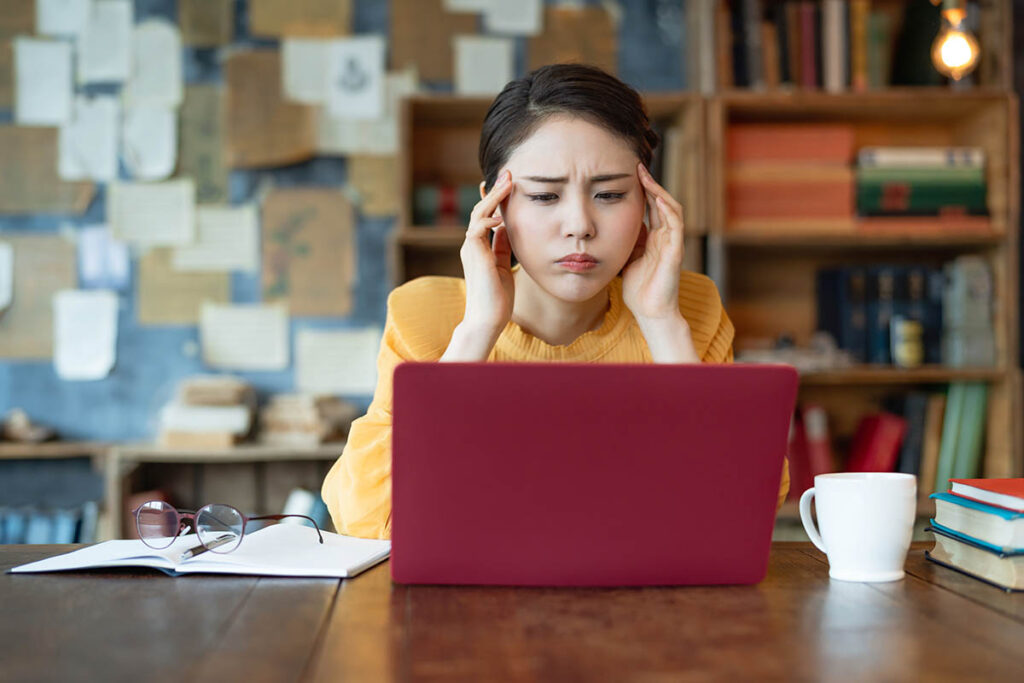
577	221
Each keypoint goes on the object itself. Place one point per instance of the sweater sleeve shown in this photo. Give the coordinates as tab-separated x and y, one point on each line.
720	351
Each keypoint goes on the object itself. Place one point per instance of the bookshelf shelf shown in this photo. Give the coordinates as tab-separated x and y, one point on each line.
894	376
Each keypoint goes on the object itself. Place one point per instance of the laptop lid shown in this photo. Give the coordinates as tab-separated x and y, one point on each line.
586	474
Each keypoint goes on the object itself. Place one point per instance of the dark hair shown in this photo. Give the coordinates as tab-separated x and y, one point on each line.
574	89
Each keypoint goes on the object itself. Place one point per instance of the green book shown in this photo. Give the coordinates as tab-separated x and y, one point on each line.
950	431
971	440
922	175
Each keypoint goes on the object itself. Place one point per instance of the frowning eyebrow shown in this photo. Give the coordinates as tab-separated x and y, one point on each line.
562	180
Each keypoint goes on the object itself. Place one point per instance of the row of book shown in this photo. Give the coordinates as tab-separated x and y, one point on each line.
935	436
979	530
862	307
55	525
217	412
812	177
836	45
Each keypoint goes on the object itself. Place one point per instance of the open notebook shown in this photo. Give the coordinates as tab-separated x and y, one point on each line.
276	550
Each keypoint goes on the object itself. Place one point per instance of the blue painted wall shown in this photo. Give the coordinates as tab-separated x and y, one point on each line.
151	360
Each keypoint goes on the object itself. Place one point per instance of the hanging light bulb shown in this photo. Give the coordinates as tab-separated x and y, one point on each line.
955	51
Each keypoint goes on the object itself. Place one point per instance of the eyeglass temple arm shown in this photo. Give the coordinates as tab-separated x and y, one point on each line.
313	521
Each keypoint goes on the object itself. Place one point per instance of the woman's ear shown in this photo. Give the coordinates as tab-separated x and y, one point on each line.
483	189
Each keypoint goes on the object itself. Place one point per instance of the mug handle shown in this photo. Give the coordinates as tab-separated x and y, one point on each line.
808	521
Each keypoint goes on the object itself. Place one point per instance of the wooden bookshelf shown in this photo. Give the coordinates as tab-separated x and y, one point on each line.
767	279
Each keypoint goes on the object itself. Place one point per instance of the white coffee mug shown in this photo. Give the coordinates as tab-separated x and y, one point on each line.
866	521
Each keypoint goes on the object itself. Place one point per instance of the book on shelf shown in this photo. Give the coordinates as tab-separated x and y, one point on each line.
931	444
810	448
876	443
915	412
305	419
207	412
276	550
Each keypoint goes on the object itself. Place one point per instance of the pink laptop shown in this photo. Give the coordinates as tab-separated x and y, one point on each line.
545	474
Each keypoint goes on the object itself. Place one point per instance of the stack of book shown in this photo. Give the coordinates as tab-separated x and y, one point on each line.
979	530
208	412
921	181
790	177
810	448
857	304
305	419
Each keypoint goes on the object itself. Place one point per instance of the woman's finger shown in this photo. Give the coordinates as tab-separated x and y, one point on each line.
652	186
489	204
670	218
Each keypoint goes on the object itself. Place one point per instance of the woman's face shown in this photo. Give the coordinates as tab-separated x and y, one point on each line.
575	191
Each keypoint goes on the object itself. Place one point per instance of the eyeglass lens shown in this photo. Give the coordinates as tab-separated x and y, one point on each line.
219	527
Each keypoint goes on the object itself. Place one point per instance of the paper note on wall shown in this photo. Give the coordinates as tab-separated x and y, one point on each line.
355	78
467	5
153	214
201	154
102	261
304	65
169	297
6	73
227	239
483	64
105	44
149	141
521	18
206	23
88	143
156	76
61	17
264	129
43	265
85	333
337	361
421	37
244	336
308	251
6	275
376	181
28	174
378	137
42	76
306	18
576	34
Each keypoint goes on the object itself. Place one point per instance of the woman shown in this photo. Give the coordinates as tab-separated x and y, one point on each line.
564	153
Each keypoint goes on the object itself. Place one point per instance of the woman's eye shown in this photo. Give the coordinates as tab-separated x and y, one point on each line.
611	196
544	197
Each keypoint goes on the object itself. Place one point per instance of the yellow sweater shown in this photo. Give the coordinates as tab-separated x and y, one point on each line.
421	316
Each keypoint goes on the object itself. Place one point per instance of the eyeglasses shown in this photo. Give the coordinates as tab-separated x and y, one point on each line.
219	527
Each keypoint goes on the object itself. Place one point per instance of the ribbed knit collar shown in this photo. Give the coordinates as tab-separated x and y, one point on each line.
589	346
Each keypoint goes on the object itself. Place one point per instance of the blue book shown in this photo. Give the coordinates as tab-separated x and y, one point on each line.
14	526
993	526
976	559
65	524
39	528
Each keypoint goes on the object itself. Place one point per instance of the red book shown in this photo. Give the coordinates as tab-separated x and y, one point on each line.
876	445
1003	493
825	143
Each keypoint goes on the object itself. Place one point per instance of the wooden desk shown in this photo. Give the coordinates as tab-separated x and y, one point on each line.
796	625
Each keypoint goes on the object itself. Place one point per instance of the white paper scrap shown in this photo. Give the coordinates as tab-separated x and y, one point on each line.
375	138
520	18
102	260
6	275
85	333
149	139
43	87
244	336
153	214
157	65
227	239
88	143
104	46
61	17
483	64
355	75
467	5
304	65
337	361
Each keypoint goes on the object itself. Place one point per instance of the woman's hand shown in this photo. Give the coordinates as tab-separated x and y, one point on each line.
488	272
650	280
